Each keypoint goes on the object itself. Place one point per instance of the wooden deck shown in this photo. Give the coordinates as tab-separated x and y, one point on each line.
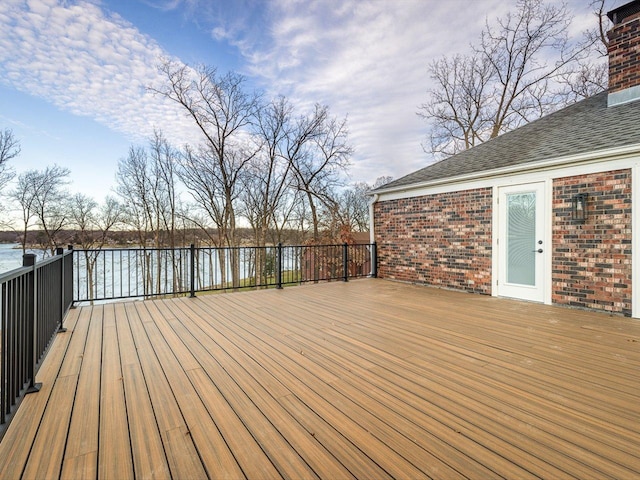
367	379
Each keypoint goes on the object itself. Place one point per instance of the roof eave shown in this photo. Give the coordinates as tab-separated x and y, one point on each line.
554	163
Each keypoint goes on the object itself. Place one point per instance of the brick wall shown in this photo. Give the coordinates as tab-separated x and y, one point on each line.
624	54
592	262
442	240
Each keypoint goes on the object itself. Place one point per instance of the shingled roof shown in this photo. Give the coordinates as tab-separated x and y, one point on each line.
584	127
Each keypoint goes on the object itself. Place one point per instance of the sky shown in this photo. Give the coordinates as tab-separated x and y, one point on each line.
74	73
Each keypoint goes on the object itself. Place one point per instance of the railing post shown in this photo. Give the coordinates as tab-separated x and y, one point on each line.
60	253
345	262
192	255
29	260
70	298
279	266
374	260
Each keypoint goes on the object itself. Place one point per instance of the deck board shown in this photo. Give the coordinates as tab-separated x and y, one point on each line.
81	452
181	452
365	379
283	381
17	442
115	459
147	451
263	387
52	436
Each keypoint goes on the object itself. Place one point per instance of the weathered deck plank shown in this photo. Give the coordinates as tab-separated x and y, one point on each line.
368	379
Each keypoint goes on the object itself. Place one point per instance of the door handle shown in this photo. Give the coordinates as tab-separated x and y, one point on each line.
539	250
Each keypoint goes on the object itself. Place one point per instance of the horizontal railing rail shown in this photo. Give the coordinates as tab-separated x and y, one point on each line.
111	274
34	300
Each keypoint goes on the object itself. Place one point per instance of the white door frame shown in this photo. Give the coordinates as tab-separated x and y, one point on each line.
542	290
635	241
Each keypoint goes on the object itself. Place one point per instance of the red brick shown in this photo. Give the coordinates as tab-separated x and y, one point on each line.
442	240
604	240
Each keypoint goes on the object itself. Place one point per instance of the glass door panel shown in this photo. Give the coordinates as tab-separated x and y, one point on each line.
521	238
521	254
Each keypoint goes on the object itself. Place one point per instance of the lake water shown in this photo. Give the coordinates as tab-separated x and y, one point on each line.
11	256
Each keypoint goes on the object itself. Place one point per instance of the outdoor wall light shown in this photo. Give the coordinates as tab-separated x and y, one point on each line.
579	207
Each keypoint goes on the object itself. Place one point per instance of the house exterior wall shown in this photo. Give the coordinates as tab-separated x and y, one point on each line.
442	239
592	262
445	240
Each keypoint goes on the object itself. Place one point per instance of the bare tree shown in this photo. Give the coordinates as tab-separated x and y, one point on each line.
268	178
596	37
43	201
268	184
134	186
382	181
291	214
23	197
92	224
200	177
147	183
9	148
295	215
213	195
318	152
592	73
222	111
163	172
458	107
353	207
514	75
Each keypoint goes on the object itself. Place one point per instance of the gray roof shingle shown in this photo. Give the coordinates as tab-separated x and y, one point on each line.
586	126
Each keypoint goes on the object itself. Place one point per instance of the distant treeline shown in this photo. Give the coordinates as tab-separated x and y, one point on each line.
129	238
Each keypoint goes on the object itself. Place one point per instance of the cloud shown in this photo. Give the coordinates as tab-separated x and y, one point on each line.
365	59
164	5
87	62
368	60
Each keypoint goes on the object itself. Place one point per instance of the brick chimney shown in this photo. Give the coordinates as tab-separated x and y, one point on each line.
624	54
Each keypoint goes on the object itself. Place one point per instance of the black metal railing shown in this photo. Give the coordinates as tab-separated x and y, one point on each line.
36	297
110	274
34	300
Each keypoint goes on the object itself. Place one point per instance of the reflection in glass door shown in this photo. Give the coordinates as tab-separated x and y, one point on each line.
521	238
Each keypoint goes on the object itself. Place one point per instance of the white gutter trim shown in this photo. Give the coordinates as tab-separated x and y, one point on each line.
596	156
372	221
